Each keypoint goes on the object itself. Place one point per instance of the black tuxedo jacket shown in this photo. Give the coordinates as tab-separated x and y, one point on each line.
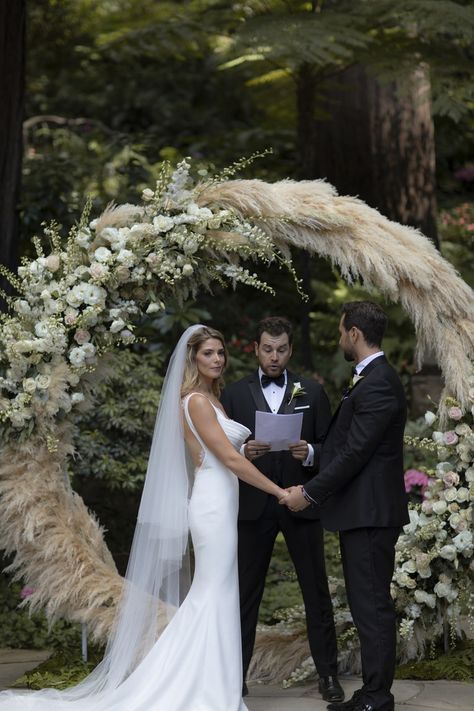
360	480
241	400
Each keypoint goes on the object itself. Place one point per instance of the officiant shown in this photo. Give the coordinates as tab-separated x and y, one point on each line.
273	388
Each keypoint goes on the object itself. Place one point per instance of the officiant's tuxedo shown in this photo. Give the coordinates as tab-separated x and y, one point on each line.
261	518
361	490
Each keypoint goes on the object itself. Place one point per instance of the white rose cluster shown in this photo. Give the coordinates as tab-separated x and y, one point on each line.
435	550
82	298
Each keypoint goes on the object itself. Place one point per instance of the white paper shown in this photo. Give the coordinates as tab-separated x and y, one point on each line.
278	430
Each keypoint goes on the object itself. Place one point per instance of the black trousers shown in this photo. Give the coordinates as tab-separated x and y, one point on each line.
305	541
368	557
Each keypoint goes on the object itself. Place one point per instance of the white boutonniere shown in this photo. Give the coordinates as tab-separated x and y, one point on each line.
355	379
297	391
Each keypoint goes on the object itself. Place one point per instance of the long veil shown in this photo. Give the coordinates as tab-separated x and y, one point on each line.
156	580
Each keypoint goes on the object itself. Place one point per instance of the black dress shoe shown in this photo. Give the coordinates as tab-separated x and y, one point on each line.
348	705
245	689
390	706
330	689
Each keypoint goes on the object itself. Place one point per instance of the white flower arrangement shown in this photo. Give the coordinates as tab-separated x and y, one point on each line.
81	299
434	553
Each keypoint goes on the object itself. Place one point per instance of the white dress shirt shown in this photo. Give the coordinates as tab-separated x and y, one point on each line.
274	395
363	363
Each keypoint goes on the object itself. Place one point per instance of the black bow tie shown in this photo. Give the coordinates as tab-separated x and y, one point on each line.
266	380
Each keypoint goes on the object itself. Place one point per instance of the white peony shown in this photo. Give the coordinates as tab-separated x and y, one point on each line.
53	262
464	542
163	223
77	356
126	257
448	552
102	254
426	598
42	329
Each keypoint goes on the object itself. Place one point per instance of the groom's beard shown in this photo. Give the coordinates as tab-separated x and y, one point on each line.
348	356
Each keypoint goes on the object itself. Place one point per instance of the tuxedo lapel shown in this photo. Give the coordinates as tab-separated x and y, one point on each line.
364	373
287	407
257	393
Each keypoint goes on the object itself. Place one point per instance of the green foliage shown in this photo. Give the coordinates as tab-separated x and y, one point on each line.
20	630
455	665
61	670
114	437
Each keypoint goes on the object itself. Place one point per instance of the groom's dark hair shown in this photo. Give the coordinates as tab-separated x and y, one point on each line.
368	317
275	326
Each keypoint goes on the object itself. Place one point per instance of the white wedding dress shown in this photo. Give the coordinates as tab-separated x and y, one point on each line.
196	664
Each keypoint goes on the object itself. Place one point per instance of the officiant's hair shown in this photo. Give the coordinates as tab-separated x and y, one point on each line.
275	326
368	317
191	373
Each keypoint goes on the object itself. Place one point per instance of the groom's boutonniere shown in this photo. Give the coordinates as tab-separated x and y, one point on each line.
297	391
355	379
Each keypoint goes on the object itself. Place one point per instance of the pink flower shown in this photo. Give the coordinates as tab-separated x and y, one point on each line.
450	437
450	479
26	591
413	477
455	413
82	336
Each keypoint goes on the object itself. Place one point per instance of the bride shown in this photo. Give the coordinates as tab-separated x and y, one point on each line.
176	647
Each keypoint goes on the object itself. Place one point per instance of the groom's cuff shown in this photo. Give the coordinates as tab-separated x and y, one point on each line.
308	498
309	461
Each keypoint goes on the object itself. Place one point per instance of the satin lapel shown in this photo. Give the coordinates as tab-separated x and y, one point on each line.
257	394
287	408
368	368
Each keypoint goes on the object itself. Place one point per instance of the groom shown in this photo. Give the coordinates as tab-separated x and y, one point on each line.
272	388
361	492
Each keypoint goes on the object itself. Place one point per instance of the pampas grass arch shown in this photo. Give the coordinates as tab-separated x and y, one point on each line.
57	544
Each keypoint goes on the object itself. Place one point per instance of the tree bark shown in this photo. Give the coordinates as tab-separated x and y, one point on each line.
12	71
378	143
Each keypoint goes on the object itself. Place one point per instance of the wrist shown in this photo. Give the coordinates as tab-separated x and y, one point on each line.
307	497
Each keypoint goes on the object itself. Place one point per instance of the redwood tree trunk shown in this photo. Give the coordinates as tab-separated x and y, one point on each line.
378	143
12	64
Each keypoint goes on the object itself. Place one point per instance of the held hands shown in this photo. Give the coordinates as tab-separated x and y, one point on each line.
254	449
294	499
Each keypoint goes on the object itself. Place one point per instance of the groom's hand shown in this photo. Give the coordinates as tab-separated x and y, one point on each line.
254	449
299	450
295	499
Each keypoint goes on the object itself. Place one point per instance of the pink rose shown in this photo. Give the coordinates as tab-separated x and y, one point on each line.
455	413
26	591
82	336
70	319
450	437
427	507
450	479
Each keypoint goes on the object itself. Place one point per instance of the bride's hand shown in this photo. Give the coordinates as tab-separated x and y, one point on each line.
282	495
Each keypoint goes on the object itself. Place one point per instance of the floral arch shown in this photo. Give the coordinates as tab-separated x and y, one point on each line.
77	303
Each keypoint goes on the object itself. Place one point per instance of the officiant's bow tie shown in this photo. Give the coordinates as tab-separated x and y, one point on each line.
266	380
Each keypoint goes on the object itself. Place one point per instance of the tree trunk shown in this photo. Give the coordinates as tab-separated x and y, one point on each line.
12	64
378	143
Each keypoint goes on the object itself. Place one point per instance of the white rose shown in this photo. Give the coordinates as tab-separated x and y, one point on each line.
454	520
116	325
430	417
425	598
43	381
463	542
88	350
448	552
42	329
442	589
148	194
469	474
98	270
462	494
102	254
451	494
77	356
439	507
29	385
77	397
462	429
437	437
188	269
53	262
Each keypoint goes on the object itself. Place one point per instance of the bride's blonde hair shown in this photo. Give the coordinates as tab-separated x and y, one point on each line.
191	373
